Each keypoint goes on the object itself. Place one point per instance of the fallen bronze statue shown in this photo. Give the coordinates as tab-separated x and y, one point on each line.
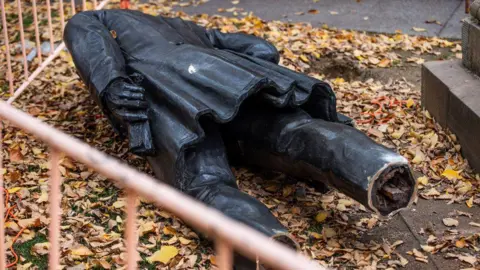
192	100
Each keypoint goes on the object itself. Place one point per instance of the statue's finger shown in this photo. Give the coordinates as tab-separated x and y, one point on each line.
134	88
133	104
131	116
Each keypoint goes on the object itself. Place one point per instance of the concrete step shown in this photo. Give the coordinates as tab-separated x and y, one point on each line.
451	93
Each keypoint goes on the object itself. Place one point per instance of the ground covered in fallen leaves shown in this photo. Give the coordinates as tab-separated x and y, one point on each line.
328	226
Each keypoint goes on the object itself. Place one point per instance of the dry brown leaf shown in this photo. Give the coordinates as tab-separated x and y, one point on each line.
474	224
30	223
184	241
15	154
81	250
450	222
469	202
41	248
419	29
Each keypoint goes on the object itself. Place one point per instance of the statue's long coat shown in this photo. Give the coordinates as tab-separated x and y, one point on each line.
188	73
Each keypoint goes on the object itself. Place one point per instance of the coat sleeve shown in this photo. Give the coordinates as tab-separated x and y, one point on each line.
97	56
243	43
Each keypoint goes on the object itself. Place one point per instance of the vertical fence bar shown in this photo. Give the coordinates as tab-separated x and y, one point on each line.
73	6
2	204
7	47
84	5
224	254
131	230
50	30
37	33
55	210
62	16
22	38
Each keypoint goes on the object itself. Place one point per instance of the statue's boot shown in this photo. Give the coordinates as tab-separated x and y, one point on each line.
291	141
208	177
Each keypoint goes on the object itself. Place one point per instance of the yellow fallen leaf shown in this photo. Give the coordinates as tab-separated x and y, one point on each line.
164	255
410	103
423	180
452	174
304	58
338	81
469	202
169	230
184	241
81	251
316	235
321	216
460	243
14	189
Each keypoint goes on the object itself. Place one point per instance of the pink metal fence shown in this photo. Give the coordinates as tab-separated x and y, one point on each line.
227	234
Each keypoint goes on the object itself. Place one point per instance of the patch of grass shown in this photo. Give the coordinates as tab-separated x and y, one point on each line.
24	250
33	168
27	20
317	228
144	264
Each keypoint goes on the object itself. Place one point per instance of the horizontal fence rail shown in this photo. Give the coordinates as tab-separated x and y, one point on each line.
212	223
227	234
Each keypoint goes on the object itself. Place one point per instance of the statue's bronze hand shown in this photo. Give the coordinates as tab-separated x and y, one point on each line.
126	102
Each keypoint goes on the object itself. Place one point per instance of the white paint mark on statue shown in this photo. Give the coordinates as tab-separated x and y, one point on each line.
192	69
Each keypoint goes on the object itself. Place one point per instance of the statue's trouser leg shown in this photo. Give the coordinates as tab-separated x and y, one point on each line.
290	141
209	178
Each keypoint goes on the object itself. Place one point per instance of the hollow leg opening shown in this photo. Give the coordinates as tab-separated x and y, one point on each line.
393	190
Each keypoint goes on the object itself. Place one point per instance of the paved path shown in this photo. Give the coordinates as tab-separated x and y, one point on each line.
368	15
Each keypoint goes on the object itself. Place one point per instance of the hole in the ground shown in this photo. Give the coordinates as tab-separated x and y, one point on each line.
337	68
